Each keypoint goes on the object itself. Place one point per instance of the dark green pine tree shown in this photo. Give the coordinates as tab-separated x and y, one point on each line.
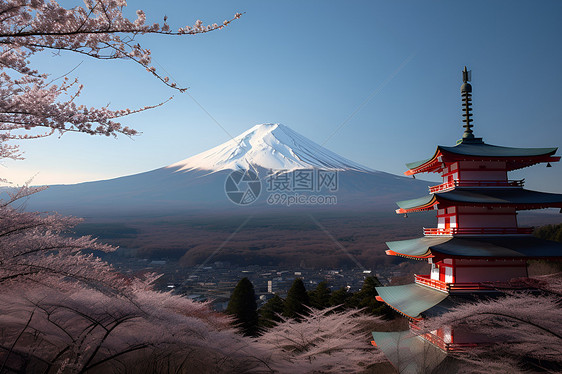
341	298
296	301
243	307
366	298
320	297
549	232
269	313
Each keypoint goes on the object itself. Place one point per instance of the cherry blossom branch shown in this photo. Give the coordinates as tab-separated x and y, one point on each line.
16	341
515	318
187	30
98	30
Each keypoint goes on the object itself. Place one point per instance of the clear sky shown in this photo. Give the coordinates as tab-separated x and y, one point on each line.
376	81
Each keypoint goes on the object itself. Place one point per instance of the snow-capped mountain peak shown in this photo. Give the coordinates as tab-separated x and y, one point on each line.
269	146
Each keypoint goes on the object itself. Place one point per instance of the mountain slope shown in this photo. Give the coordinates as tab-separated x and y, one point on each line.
197	184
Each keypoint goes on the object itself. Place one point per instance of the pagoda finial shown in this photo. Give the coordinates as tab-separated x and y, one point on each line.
466	93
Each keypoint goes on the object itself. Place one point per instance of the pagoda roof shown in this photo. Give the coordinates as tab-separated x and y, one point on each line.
456	299
408	352
411	299
416	164
488	150
418	204
518	197
475	247
469	150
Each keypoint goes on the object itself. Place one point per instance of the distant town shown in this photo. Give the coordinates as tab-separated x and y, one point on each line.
215	281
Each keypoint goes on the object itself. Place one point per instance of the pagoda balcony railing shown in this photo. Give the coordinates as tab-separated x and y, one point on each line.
439	342
467	286
426	280
440	285
476	183
478	231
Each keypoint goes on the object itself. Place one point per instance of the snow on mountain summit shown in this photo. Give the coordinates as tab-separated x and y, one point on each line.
270	146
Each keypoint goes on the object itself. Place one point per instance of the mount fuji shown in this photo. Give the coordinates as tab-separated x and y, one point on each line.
209	181
271	147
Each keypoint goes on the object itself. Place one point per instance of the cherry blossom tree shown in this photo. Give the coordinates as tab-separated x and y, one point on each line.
32	104
64	310
33	247
323	341
523	329
78	329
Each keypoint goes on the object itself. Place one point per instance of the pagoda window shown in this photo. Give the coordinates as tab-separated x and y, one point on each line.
441	222
449	275
434	272
446	333
453	222
450	176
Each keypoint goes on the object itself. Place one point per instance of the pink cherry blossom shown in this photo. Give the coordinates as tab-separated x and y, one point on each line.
31	102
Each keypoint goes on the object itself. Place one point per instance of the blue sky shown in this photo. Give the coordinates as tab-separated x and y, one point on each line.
394	67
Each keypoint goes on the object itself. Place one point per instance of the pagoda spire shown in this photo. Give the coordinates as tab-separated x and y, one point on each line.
466	93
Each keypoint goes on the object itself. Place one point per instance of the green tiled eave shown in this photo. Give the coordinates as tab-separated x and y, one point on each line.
413	203
418	247
411	299
409	353
492	246
500	196
415	164
487	196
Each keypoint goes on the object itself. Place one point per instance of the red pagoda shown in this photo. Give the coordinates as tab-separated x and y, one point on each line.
477	242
